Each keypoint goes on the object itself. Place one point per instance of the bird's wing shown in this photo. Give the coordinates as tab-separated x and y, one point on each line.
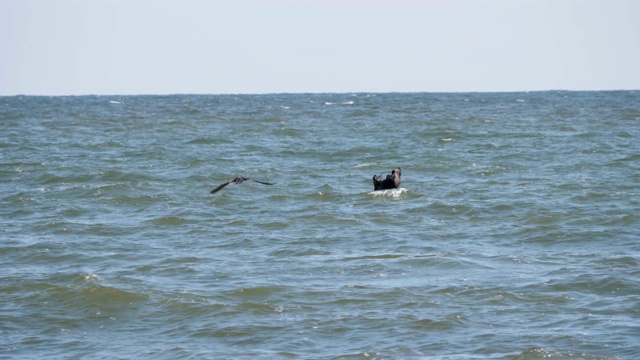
220	187
261	182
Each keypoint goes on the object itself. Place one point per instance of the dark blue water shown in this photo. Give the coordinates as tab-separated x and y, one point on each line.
515	233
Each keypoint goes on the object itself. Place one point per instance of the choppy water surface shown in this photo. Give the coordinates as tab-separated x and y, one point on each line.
515	234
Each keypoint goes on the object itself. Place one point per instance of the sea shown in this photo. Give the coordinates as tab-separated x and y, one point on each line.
515	233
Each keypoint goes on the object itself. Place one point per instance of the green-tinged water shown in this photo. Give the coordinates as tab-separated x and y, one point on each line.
515	233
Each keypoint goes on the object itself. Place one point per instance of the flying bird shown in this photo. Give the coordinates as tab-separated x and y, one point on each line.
237	181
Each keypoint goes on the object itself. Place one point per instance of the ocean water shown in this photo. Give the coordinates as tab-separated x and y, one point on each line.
515	233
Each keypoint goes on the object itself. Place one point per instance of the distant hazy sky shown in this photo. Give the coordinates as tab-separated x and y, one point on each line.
72	47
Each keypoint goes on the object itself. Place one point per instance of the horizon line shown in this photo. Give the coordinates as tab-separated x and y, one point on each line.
315	93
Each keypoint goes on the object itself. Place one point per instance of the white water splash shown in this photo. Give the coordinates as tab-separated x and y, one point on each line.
395	193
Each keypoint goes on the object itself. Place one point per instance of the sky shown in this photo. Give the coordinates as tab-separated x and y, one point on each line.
123	47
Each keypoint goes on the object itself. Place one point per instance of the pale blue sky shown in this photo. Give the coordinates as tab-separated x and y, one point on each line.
74	47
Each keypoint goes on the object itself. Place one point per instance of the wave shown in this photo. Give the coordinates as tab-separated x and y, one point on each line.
539	353
393	193
363	165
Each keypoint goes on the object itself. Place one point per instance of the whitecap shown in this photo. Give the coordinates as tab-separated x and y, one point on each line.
88	279
389	192
365	165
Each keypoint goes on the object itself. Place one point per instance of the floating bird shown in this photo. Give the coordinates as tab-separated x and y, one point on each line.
391	182
237	181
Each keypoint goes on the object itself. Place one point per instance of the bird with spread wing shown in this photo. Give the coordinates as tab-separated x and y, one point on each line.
237	181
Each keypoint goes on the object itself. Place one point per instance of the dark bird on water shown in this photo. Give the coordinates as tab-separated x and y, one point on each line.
391	182
237	181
